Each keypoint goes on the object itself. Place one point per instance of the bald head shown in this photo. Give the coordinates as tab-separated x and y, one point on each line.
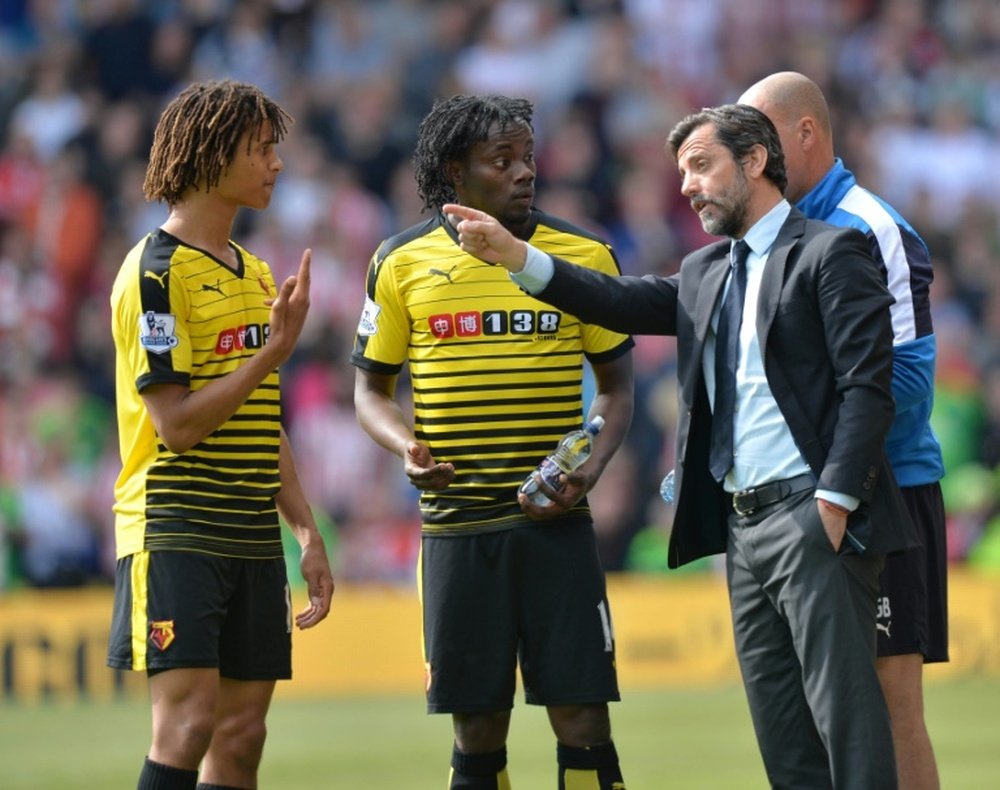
787	96
798	109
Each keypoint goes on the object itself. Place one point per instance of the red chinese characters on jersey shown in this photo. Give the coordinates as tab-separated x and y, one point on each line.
238	338
441	326
468	324
230	340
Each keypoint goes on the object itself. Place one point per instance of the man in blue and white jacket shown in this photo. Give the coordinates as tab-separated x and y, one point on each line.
912	603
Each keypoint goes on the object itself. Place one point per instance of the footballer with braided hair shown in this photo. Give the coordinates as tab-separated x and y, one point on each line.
497	381
199	132
451	129
200	329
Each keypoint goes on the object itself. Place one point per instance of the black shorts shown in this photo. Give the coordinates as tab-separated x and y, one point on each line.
178	609
913	587
534	595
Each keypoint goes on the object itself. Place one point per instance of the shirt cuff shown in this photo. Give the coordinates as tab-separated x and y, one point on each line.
844	500
537	272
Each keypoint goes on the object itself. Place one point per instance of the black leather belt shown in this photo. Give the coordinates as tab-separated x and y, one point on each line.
748	502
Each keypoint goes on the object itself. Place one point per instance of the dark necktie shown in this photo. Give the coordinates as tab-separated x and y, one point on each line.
727	355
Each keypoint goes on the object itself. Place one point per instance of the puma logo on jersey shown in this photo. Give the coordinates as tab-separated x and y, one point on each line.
217	288
884	628
446	275
155	276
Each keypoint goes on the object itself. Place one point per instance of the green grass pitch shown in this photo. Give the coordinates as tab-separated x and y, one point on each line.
666	739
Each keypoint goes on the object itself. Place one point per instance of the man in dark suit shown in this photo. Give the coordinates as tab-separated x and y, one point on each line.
780	447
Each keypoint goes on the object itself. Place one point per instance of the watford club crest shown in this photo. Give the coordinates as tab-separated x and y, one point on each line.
161	633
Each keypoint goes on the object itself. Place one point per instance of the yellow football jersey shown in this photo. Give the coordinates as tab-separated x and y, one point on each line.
181	316
497	376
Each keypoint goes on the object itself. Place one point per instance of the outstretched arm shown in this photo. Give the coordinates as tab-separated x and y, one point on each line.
631	305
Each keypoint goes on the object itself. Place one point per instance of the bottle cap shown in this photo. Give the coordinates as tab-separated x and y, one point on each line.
594	425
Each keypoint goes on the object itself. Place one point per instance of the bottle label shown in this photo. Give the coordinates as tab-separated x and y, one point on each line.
549	471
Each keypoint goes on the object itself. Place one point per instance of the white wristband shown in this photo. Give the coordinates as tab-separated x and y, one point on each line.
537	272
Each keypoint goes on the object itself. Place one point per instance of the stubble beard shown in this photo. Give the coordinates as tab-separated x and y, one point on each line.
730	210
724	224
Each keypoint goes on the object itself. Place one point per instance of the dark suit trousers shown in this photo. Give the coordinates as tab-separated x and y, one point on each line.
804	624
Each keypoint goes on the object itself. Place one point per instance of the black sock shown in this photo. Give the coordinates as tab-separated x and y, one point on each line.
487	771
157	776
578	767
203	786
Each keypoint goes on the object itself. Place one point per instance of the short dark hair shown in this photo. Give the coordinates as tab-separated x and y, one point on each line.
450	129
197	134
738	127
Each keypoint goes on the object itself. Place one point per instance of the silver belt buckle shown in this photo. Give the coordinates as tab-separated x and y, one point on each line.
748	511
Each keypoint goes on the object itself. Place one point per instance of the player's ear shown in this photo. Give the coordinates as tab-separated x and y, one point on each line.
454	172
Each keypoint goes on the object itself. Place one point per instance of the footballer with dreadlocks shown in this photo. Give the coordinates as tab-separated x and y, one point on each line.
202	601
497	380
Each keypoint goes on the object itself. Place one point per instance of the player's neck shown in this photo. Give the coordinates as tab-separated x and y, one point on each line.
204	226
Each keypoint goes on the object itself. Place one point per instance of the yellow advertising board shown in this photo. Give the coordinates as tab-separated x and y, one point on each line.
669	631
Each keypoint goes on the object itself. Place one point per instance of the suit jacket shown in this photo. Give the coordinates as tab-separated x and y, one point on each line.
826	338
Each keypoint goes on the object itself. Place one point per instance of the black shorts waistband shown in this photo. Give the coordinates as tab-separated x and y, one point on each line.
750	500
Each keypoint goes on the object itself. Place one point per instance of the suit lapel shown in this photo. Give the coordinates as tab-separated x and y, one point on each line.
773	277
709	293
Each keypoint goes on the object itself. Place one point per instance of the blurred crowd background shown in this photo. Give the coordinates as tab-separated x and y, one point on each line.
914	89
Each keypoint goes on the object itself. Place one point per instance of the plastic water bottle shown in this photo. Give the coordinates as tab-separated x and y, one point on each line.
573	449
667	487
